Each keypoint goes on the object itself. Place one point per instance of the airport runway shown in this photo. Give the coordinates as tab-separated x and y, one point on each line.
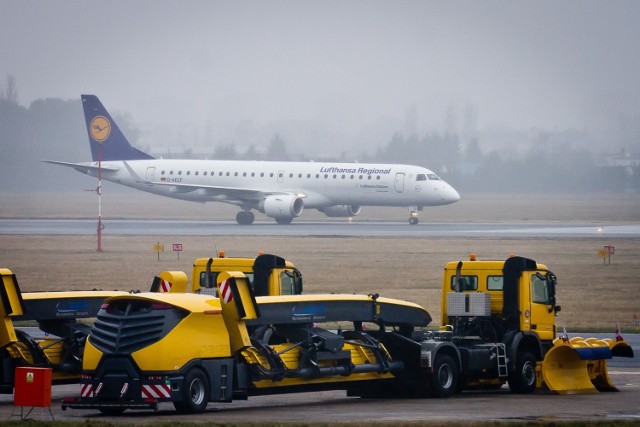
324	228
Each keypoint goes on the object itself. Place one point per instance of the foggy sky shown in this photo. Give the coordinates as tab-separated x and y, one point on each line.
350	67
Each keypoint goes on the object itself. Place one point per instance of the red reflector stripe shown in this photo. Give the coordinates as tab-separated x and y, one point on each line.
156	391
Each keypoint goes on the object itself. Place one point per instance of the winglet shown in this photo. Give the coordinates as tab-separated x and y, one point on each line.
104	133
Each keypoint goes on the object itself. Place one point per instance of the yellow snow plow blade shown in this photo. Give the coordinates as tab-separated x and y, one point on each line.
579	365
564	372
598	367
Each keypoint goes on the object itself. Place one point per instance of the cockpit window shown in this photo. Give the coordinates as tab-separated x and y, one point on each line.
433	177
421	177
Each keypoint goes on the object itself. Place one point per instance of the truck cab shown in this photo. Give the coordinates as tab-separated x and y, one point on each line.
268	275
528	304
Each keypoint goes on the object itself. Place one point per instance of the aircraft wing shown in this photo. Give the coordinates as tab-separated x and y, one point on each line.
83	167
220	192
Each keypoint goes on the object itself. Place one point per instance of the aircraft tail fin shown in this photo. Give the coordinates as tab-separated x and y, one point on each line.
103	131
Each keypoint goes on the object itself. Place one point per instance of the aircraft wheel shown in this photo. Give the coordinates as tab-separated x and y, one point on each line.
413	220
284	220
245	218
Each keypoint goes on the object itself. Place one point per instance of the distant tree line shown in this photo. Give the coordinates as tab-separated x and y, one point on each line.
54	129
556	166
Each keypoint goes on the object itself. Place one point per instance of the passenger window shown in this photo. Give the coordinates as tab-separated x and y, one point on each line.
468	283
495	283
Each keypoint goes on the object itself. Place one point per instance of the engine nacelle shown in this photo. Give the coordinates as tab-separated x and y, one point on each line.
341	210
282	206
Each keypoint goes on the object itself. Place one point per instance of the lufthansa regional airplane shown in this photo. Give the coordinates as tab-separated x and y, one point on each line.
280	190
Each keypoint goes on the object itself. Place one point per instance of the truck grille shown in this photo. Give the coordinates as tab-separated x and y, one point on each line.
125	326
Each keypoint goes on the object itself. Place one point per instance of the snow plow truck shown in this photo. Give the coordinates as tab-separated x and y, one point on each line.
189	349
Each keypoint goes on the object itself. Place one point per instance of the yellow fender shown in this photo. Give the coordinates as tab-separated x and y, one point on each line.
564	372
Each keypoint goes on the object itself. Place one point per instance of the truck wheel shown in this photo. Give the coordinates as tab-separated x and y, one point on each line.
195	393
523	379
444	379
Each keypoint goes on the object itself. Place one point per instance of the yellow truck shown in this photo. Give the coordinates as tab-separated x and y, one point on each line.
60	321
57	334
192	349
510	306
267	274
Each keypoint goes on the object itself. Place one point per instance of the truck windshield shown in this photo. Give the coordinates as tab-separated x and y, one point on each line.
539	289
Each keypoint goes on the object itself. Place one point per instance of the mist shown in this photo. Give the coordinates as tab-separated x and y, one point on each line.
331	79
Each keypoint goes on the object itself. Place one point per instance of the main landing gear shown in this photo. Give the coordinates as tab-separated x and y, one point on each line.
245	217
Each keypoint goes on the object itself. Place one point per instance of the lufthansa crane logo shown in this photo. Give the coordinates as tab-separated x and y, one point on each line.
100	128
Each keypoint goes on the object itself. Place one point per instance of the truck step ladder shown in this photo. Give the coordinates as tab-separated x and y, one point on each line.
501	352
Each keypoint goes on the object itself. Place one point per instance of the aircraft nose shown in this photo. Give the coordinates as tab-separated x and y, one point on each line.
450	195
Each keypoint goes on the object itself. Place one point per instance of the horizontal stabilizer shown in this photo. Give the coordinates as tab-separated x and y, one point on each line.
84	167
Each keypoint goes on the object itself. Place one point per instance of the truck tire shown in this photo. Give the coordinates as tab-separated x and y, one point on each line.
523	379
195	393
444	379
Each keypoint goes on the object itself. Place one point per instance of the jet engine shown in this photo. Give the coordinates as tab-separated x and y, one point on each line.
282	207
341	210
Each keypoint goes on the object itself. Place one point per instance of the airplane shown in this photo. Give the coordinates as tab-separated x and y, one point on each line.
282	190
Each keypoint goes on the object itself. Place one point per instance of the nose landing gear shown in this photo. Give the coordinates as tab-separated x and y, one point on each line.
413	216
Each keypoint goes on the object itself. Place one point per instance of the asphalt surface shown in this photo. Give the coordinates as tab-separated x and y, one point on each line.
324	228
336	407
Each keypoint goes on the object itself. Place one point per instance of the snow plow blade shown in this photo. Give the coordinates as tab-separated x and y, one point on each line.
564	372
597	367
579	365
